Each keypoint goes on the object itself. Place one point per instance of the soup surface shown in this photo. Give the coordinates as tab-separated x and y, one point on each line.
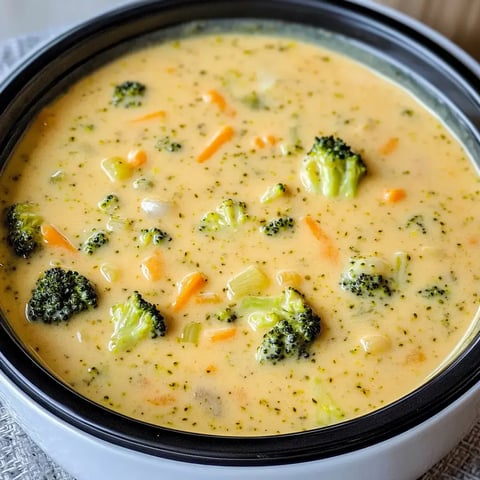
232	117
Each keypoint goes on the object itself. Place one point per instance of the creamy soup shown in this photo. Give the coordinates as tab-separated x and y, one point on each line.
232	117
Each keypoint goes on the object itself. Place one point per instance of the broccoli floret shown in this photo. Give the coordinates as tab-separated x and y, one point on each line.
23	228
109	204
134	321
227	315
168	145
94	242
332	168
59	294
435	292
368	277
273	192
128	94
295	325
143	183
278	225
417	222
229	214
154	235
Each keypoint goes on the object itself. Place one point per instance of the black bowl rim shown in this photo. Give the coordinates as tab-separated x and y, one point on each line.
42	388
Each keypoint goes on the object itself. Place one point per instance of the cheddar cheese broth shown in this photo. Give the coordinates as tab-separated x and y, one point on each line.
275	95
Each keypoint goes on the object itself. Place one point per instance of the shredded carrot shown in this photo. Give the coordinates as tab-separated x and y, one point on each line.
187	287
207	297
51	236
393	195
389	146
222	334
258	142
216	98
211	369
263	141
152	267
329	249
270	139
161	400
149	116
136	158
221	137
474	240
415	357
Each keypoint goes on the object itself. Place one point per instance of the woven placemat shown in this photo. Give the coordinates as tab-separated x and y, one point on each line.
22	459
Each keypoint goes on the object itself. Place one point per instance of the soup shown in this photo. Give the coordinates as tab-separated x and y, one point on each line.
188	172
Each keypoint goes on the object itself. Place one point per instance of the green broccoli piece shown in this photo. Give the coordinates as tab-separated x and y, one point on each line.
273	192
135	320
368	277
168	145
23	228
94	242
128	94
227	315
229	214
143	183
59	294
435	292
278	225
109	204
295	325
332	168
417	222
154	235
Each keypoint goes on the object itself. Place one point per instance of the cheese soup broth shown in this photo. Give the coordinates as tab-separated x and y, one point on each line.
276	94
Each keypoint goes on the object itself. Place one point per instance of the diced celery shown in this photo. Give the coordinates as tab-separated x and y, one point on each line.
57	176
327	411
402	260
116	168
250	281
191	332
118	224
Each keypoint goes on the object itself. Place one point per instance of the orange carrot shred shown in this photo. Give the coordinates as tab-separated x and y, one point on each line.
152	267
162	400
222	334
329	249
149	116
393	195
215	97
51	236
207	297
270	139
263	141
187	287
389	146
221	137
136	158
258	142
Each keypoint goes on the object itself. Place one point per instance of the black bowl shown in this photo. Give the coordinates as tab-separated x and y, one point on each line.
445	83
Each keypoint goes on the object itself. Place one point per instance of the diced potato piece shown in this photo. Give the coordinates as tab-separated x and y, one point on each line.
375	343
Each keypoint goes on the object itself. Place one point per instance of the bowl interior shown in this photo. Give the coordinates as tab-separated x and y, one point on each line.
411	59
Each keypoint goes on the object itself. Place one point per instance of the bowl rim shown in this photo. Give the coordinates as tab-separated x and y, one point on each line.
43	388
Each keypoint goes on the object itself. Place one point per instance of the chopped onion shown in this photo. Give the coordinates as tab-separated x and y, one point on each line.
155	208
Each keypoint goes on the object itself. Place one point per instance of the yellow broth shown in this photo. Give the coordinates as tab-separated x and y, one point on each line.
276	94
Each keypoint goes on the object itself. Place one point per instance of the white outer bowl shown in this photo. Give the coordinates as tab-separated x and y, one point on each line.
403	457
